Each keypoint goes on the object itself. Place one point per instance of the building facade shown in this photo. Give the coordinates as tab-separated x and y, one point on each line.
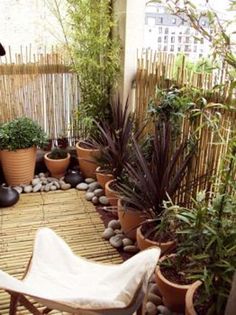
165	32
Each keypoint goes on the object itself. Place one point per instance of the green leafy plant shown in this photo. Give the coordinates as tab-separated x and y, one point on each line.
57	154
21	133
96	58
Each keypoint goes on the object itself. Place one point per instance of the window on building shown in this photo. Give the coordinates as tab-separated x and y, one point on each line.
200	55
172	48
150	30
173	20
159	39
172	39
166	30
165	39
160	30
187	40
165	48
160	10
187	48
179	48
204	23
159	47
195	48
180	39
196	41
160	20
202	40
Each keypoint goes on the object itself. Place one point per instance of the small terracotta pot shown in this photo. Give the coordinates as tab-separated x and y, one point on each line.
87	160
57	168
189	305
130	219
173	294
144	243
103	177
18	166
111	194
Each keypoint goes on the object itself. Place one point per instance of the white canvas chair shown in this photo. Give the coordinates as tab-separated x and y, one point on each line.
58	279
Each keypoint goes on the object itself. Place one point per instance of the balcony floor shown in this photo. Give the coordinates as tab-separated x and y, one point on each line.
67	213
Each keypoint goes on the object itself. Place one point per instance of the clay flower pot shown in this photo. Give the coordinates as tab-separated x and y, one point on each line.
103	177
57	167
189	305
130	219
173	293
87	160
111	194
18	166
144	243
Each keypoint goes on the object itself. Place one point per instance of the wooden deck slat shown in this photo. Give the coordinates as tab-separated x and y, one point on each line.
68	214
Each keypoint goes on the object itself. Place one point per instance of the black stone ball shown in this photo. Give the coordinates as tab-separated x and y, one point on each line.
8	196
73	177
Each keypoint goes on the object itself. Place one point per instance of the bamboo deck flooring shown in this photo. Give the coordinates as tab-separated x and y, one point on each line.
68	214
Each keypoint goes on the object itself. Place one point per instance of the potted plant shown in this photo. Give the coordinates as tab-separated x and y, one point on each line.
57	161
19	139
153	181
116	151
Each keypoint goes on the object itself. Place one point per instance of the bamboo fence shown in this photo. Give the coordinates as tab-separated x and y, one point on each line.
159	70
42	87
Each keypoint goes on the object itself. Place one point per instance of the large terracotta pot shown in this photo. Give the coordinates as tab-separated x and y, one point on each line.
18	166
57	168
111	194
130	219
189	305
173	294
87	160
103	177
144	243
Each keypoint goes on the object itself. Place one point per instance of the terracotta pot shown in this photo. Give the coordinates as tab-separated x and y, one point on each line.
111	194
173	294
57	168
189	305
130	219
87	160
103	177
18	166
144	243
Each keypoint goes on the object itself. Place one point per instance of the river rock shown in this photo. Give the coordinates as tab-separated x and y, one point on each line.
82	186
89	180
44	180
56	183
108	233
127	241
28	188
164	310
151	308
41	174
35	181
114	224
52	179
118	231
65	186
19	189
131	249
37	187
155	299
99	192
154	289
47	187
116	241
103	200
95	200
93	186
89	196
53	187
